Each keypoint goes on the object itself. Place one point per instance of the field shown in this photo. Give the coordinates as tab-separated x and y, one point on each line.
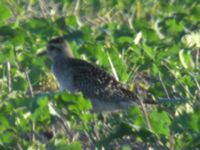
152	47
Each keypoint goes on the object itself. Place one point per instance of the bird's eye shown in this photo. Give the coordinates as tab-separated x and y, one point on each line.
51	48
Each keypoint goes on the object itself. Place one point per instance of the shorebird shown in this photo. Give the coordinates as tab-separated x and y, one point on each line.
76	75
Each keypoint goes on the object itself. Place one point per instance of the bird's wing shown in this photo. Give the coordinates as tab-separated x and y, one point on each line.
94	82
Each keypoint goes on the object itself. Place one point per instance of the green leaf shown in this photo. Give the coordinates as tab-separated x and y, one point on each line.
41	112
137	116
150	51
160	122
174	26
126	147
7	137
4	124
124	129
19	83
60	145
155	69
5	13
119	64
186	60
39	26
42	101
125	39
75	102
71	21
7	54
6	31
149	35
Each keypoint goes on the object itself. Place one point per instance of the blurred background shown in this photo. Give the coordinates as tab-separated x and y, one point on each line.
152	46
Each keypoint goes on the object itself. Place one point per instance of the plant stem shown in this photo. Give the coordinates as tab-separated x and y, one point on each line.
30	88
8	76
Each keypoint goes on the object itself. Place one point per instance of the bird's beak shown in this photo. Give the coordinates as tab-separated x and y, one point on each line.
42	53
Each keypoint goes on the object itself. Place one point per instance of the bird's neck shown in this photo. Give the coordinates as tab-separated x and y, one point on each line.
60	59
64	57
67	51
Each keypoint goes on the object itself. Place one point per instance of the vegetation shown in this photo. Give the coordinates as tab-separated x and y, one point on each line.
154	48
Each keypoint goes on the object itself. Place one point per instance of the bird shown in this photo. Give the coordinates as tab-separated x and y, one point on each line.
76	75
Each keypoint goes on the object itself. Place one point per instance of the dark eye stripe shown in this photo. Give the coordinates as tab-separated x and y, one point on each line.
51	47
54	48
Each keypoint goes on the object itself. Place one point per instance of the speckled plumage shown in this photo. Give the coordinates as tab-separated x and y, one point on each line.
74	75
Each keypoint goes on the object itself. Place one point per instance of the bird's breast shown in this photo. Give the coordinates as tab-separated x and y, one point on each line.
64	78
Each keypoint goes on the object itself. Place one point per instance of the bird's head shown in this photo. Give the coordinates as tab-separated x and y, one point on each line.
56	49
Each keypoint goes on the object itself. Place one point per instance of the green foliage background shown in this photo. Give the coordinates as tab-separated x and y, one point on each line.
153	46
